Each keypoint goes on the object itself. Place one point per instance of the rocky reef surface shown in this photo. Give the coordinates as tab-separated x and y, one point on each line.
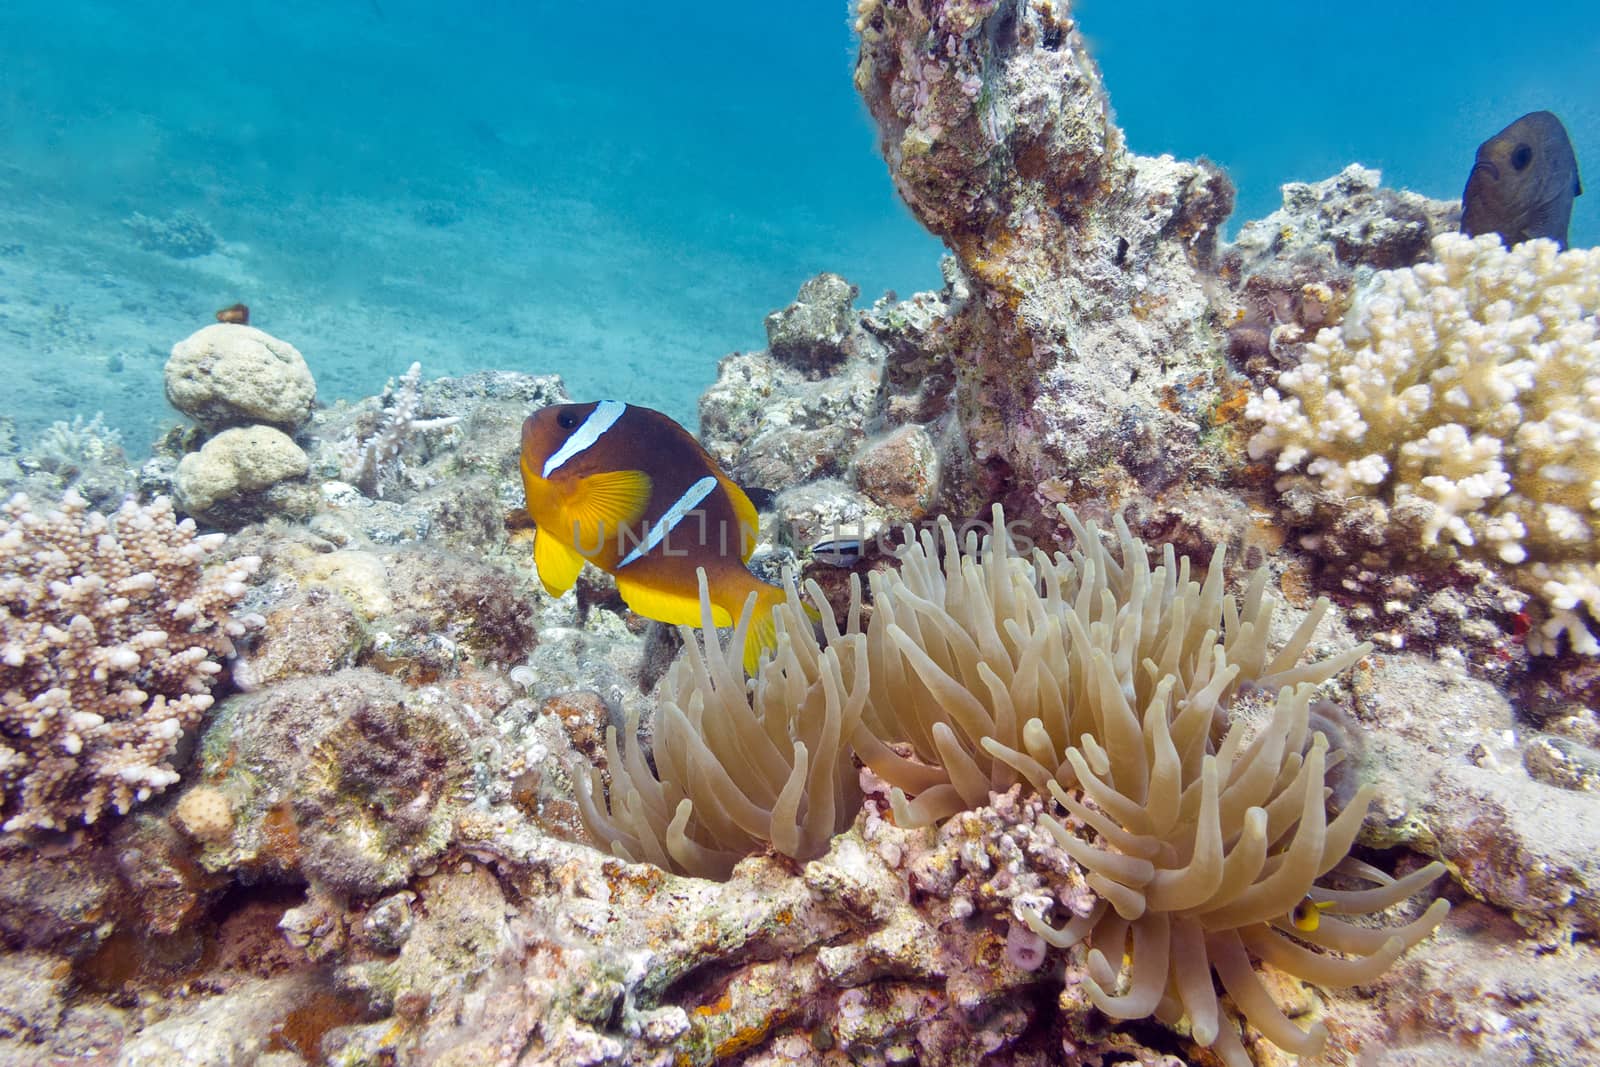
369	850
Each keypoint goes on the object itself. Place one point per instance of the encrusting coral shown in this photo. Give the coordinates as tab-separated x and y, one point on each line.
737	766
1462	398
110	632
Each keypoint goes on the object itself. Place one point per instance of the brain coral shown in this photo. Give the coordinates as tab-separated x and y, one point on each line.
110	632
1463	397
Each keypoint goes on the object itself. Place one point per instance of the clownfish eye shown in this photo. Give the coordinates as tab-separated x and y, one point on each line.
1521	157
567	420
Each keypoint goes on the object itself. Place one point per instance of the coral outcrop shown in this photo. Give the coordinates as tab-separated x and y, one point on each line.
1085	350
242	474
231	375
1456	406
349	778
1295	271
111	629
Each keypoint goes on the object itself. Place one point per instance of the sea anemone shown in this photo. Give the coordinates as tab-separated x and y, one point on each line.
736	767
1210	837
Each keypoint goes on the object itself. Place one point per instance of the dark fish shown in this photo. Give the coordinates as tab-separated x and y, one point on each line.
763	499
1523	183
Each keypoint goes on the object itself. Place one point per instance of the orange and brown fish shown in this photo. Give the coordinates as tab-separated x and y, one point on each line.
629	490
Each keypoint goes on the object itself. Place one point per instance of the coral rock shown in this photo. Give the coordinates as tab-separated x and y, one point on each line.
234	466
33	990
900	471
811	333
230	375
352	778
234	1028
1085	262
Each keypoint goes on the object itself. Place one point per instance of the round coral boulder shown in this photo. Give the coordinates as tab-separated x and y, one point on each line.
234	464
232	375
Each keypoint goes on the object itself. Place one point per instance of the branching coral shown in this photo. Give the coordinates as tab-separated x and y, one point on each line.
1465	392
991	665
373	461
110	631
737	767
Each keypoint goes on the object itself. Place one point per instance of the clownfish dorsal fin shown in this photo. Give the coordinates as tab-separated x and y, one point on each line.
746	513
603	504
558	564
664	605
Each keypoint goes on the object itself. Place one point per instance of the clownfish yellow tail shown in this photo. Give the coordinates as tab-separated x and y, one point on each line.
757	626
750	607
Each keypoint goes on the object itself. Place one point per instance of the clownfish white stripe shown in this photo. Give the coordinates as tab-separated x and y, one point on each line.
674	515
594	427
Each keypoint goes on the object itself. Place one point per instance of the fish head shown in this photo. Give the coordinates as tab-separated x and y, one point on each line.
557	447
1519	175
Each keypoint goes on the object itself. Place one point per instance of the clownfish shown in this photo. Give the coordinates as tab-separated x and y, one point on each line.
629	490
1307	915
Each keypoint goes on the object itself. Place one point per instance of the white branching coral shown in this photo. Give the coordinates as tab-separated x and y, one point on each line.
373	461
110	632
1466	390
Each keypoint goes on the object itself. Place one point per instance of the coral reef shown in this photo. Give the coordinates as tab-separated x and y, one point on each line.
110	633
1453	405
984	804
1085	345
181	235
847	413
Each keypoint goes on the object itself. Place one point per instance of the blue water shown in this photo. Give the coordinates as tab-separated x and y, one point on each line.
617	196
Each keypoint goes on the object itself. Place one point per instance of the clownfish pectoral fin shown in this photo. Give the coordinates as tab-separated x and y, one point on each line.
603	504
558	565
663	605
